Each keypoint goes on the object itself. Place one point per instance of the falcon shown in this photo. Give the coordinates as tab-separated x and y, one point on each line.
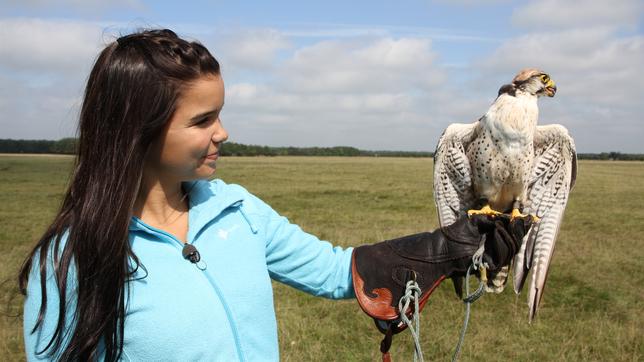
506	163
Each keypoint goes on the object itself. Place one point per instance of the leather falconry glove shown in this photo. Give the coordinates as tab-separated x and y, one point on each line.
381	270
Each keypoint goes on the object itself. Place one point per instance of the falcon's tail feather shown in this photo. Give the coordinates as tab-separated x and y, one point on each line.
553	177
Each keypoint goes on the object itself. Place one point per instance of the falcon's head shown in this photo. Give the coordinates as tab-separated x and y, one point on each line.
533	81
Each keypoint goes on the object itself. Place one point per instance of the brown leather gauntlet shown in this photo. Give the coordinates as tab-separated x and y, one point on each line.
381	271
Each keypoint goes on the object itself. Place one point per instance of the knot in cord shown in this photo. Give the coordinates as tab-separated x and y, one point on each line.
412	293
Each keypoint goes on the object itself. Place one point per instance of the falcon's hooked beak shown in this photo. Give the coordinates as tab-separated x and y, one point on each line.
550	87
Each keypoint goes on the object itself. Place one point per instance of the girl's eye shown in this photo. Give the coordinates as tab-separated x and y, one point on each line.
205	121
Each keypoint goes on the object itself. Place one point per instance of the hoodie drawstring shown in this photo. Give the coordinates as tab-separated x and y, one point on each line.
239	206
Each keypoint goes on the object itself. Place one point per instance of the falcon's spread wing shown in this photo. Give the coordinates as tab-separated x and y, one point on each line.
553	177
452	181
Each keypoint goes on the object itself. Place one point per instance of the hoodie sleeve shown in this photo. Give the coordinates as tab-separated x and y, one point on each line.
303	261
37	340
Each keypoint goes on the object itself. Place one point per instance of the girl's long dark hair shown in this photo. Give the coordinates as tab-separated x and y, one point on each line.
131	93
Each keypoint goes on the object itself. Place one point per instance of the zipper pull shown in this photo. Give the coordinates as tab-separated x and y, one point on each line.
191	253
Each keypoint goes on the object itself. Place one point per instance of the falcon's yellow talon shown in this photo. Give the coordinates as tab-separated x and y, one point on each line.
517	214
485	210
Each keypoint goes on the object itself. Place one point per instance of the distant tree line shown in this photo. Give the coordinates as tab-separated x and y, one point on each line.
238	149
62	146
68	146
611	156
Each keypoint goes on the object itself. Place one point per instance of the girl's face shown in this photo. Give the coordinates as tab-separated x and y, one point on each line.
189	146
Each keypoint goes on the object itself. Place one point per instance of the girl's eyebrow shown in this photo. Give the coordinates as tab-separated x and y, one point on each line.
204	114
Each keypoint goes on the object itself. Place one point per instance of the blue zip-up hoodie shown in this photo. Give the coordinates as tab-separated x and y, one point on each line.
178	312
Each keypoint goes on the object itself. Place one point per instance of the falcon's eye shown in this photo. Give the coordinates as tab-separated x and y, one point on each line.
544	78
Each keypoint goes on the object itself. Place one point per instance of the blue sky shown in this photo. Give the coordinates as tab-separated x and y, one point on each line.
369	74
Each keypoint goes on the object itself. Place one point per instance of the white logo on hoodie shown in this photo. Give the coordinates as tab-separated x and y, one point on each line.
223	233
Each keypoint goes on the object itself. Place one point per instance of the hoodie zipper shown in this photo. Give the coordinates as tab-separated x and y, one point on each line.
211	281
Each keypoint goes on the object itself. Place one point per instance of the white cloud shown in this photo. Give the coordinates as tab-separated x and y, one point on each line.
37	112
275	99
250	48
379	65
43	66
547	14
48	46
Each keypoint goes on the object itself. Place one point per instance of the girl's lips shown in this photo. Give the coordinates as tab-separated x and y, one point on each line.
213	156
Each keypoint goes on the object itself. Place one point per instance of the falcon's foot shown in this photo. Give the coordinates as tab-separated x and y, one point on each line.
516	214
485	210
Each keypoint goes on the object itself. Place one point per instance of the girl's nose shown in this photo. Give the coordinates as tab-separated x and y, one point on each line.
220	135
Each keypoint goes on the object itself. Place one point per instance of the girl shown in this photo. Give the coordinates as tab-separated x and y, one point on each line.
147	259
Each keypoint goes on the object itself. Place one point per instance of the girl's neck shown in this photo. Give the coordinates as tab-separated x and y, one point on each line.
160	203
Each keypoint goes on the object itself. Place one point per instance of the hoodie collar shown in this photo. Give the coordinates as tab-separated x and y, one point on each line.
207	199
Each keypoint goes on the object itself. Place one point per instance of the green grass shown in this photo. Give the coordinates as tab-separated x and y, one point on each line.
592	308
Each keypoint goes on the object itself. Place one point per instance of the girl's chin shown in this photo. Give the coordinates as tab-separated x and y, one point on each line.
206	171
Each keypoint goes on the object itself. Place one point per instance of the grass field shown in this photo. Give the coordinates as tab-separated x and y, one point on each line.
593	308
